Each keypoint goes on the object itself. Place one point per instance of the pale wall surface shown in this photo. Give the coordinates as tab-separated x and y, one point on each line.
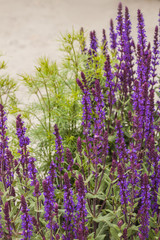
29	28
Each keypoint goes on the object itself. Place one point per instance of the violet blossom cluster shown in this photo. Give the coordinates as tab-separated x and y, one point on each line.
6	174
113	36
104	43
99	121
81	211
26	220
69	206
50	203
86	102
110	84
27	162
1	230
23	143
93	43
145	207
59	148
8	221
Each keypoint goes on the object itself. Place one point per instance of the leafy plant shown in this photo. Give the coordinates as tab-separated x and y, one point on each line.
108	187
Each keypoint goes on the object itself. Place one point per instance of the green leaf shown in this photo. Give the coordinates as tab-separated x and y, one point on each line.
106	219
114	233
112	138
132	230
89	178
98	196
101	237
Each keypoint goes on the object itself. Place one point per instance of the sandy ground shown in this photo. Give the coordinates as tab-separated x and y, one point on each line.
30	28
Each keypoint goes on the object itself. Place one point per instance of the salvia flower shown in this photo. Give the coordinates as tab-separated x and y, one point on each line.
82	230
120	23
79	145
99	99
125	234
3	146
8	221
153	160
48	191
59	148
21	130
1	230
145	207
69	206
128	51
37	192
113	36
69	159
87	108
104	43
93	43
123	184
155	56
110	85
134	176
141	31
26	220
23	143
9	167
122	151
99	119
32	170
35	223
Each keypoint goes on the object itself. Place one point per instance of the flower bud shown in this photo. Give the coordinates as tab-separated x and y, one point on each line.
120	223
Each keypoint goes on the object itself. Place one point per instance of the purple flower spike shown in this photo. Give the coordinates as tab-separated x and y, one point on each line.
124	192
82	230
87	107
1	231
145	207
99	99
110	85
21	130
26	220
120	21
59	148
93	43
79	145
69	206
4	162
141	31
8	221
104	43
56	209
122	151
48	191
69	159
113	36
32	170
155	56
125	234
23	143
36	191
128	50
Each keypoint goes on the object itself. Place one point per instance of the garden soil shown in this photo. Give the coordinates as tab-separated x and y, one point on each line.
29	29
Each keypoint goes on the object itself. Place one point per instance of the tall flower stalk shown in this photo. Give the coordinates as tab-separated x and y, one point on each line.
26	220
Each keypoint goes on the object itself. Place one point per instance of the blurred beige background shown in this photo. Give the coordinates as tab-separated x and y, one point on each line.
30	28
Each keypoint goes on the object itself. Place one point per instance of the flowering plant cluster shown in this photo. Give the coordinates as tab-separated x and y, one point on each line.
111	188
